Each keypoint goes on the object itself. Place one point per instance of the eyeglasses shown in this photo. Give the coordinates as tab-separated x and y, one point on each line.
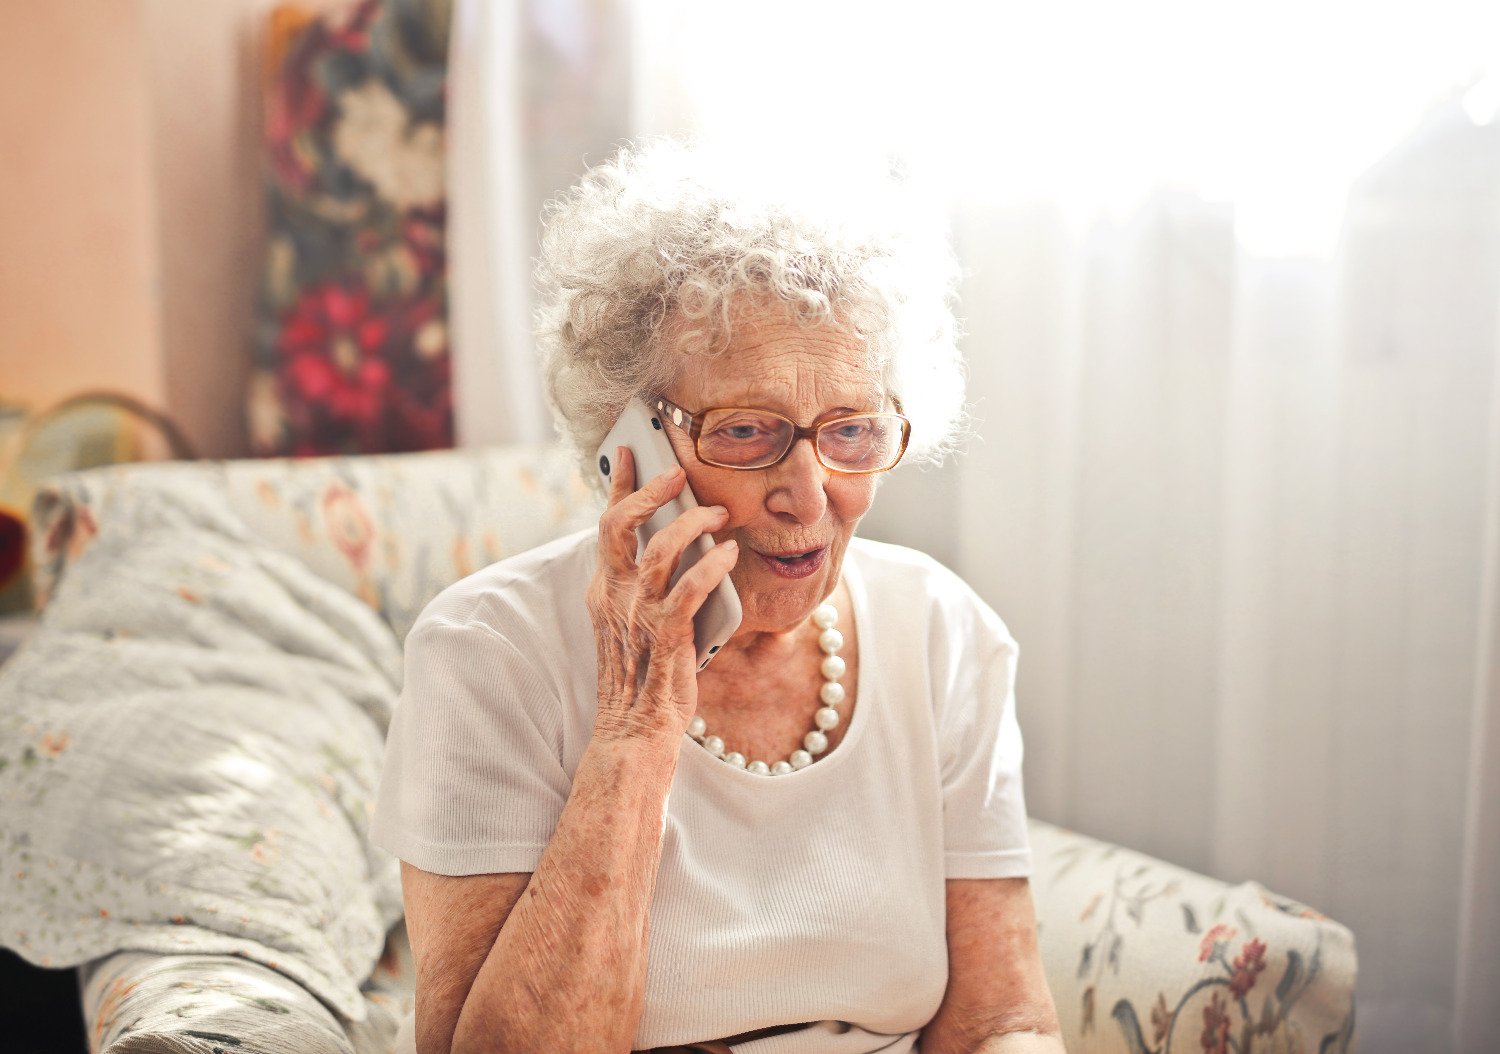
742	437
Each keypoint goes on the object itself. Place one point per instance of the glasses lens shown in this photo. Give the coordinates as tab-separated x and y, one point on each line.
861	444
743	438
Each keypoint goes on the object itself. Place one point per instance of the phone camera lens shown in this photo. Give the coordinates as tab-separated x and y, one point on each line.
656	424
604	465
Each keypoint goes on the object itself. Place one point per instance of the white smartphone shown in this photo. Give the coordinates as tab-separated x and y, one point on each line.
642	431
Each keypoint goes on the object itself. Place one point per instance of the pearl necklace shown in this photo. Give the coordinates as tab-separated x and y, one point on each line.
824	721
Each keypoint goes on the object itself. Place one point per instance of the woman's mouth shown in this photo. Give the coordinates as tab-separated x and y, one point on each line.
795	565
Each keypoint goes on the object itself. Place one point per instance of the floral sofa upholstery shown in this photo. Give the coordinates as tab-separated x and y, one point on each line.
190	744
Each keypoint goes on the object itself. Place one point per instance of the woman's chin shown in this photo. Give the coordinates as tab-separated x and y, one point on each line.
776	602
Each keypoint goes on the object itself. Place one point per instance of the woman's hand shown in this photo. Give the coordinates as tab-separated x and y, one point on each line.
997	1001
643	624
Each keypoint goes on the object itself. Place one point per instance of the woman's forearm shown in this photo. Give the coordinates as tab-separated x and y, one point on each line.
568	969
1023	1043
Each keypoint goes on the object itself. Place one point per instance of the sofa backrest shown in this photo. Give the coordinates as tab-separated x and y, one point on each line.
392	529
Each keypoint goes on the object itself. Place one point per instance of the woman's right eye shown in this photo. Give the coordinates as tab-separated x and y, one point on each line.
739	439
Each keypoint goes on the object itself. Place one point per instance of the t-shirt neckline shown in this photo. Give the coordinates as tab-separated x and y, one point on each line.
863	696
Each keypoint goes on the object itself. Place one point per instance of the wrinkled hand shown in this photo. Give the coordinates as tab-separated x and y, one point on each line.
643	625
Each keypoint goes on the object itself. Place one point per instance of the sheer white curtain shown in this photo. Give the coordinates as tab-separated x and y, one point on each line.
538	90
1241	514
1235	476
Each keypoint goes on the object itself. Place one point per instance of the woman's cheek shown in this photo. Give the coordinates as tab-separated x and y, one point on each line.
852	503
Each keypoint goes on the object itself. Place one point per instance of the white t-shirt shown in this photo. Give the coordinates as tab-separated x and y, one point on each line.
813	896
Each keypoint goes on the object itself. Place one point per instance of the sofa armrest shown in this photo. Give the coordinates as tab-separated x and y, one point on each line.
144	1003
1143	956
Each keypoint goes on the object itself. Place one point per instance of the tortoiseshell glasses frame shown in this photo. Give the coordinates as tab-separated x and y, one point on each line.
777	445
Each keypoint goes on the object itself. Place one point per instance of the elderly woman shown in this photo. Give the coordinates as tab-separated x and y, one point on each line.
815	843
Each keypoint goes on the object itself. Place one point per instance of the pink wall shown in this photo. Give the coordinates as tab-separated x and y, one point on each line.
130	204
202	85
77	220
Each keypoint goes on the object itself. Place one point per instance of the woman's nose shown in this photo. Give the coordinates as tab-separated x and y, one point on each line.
798	484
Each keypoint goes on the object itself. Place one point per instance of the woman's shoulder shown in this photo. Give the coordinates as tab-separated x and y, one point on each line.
520	595
913	585
887	558
895	568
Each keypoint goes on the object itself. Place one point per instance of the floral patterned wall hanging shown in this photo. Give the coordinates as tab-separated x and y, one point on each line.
352	334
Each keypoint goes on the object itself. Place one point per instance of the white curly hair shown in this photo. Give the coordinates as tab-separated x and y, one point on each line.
656	248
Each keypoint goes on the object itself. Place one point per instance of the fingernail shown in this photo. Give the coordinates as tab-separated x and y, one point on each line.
731	544
674	471
719	510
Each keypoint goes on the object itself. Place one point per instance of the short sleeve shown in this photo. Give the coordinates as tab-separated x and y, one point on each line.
473	780
984	809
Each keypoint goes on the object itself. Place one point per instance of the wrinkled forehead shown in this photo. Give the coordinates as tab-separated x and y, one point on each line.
774	361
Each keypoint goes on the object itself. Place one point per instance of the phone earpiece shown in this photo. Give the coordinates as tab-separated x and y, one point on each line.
656	424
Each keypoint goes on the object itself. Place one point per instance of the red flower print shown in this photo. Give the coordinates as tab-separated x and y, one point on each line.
1215	1038
294	106
84	531
1211	940
358	375
1247	967
335	381
423	234
349	30
421	415
349	525
297	109
353	357
1161	1018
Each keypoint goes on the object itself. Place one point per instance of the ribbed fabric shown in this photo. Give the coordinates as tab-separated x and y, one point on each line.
815	896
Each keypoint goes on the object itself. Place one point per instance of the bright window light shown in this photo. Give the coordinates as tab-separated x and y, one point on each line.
1275	105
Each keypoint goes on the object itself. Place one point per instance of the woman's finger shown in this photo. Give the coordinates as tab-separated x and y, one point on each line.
617	541
675	626
622	479
626	512
658	562
692	589
635	509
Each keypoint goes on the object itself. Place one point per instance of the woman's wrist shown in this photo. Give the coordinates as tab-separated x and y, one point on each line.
639	722
631	757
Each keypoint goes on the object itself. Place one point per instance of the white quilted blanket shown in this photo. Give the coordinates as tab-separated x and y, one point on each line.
189	751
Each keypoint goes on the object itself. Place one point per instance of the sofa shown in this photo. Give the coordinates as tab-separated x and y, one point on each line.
191	741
